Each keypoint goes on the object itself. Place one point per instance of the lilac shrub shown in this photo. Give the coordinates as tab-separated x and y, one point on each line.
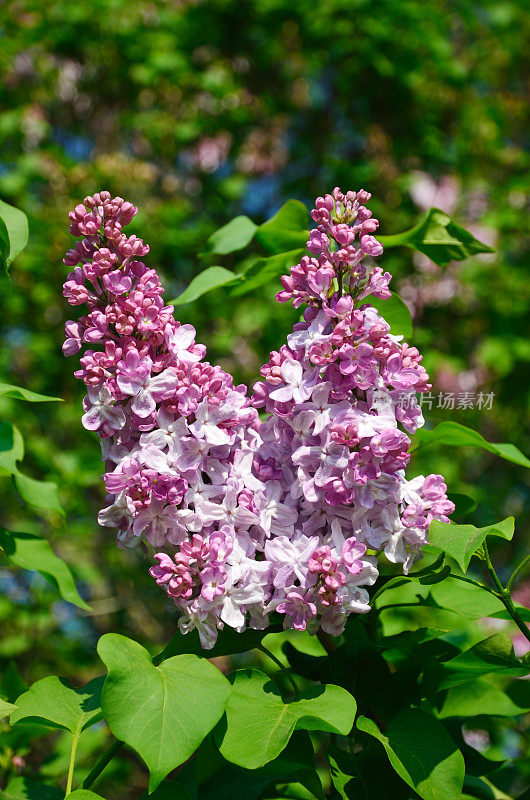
250	517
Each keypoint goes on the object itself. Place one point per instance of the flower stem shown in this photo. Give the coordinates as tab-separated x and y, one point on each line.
281	666
517	571
504	595
105	759
71	766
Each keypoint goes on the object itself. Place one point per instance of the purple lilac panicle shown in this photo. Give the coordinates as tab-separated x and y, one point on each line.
252	518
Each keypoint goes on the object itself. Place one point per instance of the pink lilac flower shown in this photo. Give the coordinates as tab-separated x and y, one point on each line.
252	517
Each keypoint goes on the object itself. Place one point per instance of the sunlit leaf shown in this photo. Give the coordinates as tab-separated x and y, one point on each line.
439	238
461	541
19	393
28	551
259	723
55	703
422	753
206	281
15	227
233	236
493	655
265	270
396	313
286	230
162	712
455	435
6	708
482	697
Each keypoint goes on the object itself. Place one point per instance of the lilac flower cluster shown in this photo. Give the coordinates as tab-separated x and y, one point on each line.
253	517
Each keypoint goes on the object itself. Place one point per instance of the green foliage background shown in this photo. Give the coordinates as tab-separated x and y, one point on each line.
198	111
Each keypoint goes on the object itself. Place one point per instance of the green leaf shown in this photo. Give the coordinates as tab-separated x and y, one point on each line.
28	551
42	494
461	541
456	435
259	723
286	230
162	712
19	393
11	447
231	237
55	703
265	270
15	226
422	753
6	708
439	238
493	655
464	504
206	281
482	697
85	794
229	642
25	789
396	313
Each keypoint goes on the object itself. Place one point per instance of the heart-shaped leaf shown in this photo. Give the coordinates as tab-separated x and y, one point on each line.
162	712
28	551
19	393
286	230
259	723
439	238
13	233
206	281
396	313
461	541
422	753
456	435
235	235
54	702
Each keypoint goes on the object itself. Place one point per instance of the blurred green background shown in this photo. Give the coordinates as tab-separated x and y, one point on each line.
198	111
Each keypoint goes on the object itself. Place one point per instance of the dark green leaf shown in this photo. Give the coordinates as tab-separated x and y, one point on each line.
259	723
265	270
28	551
25	789
55	703
16	227
422	753
396	313
464	504
229	641
439	238
493	655
206	281
455	435
86	794
461	541
162	712
231	237
19	393
286	230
